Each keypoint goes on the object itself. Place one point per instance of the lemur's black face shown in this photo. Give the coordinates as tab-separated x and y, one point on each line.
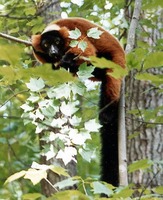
53	45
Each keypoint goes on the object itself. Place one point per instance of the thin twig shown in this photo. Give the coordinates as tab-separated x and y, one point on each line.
14	95
51	184
27	118
14	153
148	184
145	122
9	37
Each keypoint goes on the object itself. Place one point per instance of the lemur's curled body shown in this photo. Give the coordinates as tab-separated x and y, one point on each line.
53	46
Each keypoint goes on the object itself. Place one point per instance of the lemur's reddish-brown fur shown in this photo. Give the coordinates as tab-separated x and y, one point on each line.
106	44
108	47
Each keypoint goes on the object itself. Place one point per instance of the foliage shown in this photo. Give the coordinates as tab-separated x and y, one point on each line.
66	129
117	71
29	92
81	44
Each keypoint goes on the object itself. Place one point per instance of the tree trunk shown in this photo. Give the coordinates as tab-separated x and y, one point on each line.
148	142
50	10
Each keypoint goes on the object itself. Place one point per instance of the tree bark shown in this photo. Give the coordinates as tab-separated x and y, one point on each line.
147	143
122	151
50	10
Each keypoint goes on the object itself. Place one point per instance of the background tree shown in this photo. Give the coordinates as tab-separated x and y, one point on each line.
143	102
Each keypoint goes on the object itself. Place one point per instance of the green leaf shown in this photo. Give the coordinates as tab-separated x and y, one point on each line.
153	60
48	111
154	4
159	190
15	176
59	170
35	175
51	77
36	25
99	188
140	164
60	76
75	34
35	84
26	107
31	196
85	72
69	108
74	43
30	11
77	88
94	33
92	125
117	70
14	30
62	90
69	195
3	140
123	192
82	45
134	58
114	2
134	112
35	165
33	98
86	154
66	183
134	135
11	53
9	75
154	79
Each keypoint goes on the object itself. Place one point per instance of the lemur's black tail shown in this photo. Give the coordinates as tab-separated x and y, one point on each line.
108	117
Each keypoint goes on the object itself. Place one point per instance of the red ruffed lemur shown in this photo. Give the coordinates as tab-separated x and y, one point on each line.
53	46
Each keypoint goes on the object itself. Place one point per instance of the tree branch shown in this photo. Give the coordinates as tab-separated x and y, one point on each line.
122	152
17	18
123	177
148	184
133	26
50	128
27	43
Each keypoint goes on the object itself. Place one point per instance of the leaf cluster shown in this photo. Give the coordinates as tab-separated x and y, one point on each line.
55	110
82	43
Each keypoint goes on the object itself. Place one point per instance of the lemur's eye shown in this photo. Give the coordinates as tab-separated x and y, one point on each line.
57	40
46	44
